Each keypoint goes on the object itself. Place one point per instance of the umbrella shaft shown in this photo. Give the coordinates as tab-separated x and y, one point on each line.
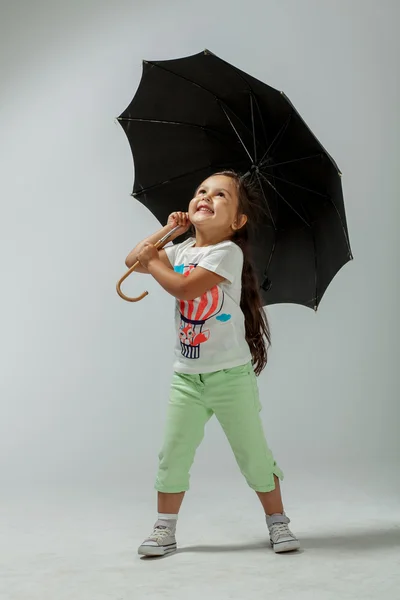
162	241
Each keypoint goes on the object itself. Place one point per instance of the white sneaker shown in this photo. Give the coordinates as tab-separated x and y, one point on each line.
282	539
162	541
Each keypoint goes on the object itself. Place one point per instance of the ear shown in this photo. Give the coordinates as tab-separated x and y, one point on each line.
239	222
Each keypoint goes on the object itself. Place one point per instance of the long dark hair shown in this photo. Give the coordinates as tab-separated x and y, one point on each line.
257	329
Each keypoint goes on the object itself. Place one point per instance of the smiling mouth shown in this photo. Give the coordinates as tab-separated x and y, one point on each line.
205	209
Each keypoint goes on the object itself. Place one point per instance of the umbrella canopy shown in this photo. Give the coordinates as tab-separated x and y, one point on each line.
194	116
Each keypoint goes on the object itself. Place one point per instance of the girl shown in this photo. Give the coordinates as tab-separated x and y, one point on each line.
221	346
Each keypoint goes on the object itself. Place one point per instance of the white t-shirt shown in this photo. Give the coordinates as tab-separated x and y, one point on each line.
210	329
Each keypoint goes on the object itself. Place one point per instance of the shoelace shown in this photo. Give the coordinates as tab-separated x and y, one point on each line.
279	529
159	534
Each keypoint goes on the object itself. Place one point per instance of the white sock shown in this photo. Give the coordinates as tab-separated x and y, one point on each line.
165	517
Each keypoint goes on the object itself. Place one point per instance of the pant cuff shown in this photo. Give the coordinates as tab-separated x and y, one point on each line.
171	490
270	485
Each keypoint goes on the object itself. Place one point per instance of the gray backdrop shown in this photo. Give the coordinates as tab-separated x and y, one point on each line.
84	375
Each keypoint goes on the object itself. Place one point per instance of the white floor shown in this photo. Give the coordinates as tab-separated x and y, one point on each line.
80	543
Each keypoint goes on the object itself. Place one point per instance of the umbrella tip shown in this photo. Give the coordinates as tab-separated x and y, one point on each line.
340	174
145	62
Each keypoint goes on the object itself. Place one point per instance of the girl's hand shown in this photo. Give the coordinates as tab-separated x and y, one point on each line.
180	219
147	254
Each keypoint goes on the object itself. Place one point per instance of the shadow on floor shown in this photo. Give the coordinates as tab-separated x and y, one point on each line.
360	541
228	547
363	541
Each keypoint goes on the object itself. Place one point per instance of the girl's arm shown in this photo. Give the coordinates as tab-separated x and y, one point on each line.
180	286
174	220
152	239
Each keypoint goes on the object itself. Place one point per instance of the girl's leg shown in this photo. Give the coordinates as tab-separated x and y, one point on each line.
237	407
272	501
186	419
170	503
187	416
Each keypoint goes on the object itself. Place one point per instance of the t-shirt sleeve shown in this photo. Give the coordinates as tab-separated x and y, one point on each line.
172	250
225	260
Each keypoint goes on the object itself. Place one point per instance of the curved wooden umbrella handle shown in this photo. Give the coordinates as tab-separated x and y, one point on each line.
121	293
158	245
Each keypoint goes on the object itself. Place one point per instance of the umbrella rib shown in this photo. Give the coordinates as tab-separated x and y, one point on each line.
300	186
241	75
280	132
163	122
285	201
343	227
236	131
153	64
309	130
315	299
238	72
266	201
289	162
219	101
261	118
312	191
316	269
254	129
157	185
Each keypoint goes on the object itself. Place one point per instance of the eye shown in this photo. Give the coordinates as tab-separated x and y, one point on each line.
202	191
221	194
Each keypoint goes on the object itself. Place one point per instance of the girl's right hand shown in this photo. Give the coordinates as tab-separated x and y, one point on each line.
180	219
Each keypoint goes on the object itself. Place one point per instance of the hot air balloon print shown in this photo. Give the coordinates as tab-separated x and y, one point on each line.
194	314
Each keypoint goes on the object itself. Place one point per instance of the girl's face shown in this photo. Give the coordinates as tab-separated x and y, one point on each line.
215	206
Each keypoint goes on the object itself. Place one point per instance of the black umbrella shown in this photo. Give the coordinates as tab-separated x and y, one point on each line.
196	115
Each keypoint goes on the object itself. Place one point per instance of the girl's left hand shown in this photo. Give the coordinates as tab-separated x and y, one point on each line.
147	254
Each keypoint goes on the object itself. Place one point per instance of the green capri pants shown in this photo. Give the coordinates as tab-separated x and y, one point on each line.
232	395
